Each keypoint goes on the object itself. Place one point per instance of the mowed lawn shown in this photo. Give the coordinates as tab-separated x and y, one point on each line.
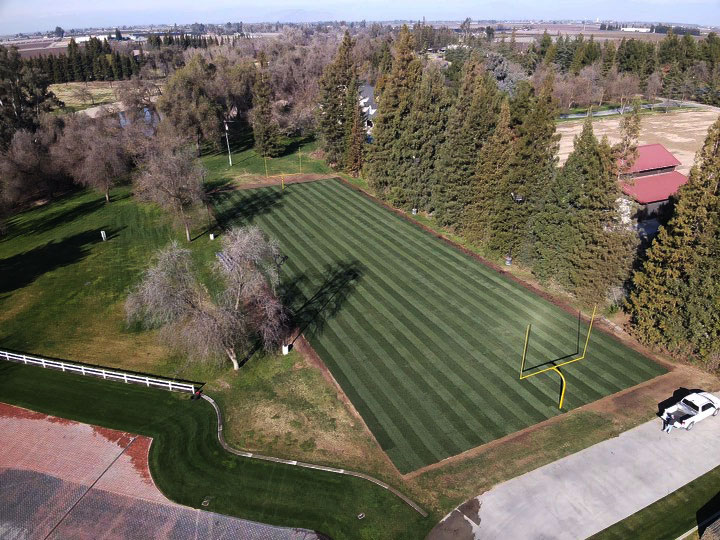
425	340
188	464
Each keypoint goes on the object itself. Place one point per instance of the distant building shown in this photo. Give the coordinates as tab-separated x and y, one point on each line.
650	182
369	107
635	29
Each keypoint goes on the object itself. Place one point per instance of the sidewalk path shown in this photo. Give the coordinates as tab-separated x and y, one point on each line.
582	494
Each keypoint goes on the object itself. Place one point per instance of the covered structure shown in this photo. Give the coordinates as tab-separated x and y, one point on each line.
650	182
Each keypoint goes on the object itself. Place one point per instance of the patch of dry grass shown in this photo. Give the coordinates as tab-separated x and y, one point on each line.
283	406
102	92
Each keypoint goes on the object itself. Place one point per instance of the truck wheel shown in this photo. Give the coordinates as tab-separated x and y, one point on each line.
690	426
715	412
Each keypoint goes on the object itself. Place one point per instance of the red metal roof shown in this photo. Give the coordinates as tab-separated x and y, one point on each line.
652	156
655	187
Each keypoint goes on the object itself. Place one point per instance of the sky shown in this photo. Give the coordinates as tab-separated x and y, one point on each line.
32	15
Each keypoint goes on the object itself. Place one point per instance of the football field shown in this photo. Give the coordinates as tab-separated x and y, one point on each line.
425	340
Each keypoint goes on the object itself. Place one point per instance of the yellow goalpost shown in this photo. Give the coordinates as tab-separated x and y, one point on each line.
555	368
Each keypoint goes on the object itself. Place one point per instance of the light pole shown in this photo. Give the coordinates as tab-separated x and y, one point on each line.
227	140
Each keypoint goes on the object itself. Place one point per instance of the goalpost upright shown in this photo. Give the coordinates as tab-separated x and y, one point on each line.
555	368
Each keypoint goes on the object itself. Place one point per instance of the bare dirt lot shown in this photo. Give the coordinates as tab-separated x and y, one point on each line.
62	479
681	132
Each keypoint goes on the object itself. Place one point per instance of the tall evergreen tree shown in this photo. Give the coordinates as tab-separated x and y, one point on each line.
675	302
387	154
531	172
354	151
383	69
580	242
471	121
483	219
422	139
333	119
265	130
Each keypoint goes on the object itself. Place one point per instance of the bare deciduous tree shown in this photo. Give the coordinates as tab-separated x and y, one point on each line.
654	86
227	325
623	87
92	152
82	94
172	178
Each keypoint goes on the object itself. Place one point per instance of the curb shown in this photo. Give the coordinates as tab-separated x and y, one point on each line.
251	455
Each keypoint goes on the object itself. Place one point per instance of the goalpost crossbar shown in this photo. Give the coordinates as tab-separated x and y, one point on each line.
555	367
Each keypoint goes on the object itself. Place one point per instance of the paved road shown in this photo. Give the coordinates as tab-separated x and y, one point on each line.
584	493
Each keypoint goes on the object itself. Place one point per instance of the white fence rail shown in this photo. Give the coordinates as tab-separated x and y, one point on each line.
108	374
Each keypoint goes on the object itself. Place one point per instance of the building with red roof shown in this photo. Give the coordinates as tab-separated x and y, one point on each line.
651	181
655	188
652	159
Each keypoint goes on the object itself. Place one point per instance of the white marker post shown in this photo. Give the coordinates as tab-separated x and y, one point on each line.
103	235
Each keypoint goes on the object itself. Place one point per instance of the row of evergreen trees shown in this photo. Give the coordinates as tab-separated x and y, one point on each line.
639	57
187	41
341	121
485	165
96	61
675	298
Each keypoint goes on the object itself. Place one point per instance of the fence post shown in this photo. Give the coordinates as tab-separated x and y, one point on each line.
125	377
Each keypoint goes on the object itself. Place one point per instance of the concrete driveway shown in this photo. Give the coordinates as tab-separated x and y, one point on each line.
581	494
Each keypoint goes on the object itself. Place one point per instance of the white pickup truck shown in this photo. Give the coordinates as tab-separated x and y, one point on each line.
690	410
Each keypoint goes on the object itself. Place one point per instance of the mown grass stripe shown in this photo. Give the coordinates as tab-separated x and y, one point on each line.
424	343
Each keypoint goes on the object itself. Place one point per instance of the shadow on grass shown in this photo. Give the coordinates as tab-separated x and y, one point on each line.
20	270
294	145
44	222
232	208
563	358
310	314
708	514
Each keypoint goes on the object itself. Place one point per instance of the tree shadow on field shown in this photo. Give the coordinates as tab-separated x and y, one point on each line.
294	145
232	208
708	515
22	269
45	222
310	314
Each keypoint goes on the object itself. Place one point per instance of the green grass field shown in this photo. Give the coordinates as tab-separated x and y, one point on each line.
695	503
425	340
188	464
248	163
61	284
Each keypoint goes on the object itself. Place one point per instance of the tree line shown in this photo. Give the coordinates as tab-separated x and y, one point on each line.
95	61
483	163
674	67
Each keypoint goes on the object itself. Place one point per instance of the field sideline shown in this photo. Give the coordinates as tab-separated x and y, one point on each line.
425	340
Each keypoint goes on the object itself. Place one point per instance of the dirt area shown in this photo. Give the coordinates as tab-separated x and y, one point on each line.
63	479
251	181
681	132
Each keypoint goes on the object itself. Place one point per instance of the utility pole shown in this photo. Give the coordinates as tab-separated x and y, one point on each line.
227	140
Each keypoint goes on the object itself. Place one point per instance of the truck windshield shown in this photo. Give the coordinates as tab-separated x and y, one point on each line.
690	405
